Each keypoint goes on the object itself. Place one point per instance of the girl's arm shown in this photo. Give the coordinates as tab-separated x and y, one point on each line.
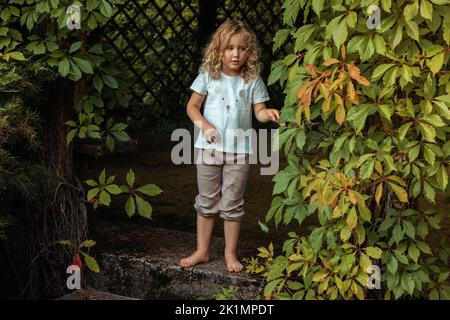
263	114
193	111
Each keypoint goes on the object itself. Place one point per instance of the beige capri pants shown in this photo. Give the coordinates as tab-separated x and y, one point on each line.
221	178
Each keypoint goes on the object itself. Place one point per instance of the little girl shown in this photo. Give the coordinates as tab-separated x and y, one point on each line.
229	79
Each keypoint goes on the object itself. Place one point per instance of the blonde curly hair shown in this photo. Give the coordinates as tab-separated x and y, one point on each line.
212	55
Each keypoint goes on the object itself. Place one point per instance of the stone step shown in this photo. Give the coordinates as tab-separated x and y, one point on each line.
142	262
90	294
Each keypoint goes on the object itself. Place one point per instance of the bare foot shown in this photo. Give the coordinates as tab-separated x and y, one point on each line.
233	264
195	258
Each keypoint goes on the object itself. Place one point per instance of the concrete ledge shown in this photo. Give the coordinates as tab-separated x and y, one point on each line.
142	262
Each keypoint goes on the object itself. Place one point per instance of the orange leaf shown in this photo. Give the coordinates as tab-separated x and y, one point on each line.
305	101
343	52
354	73
311	70
301	91
351	93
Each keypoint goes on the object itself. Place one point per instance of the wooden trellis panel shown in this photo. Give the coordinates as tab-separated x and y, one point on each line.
160	43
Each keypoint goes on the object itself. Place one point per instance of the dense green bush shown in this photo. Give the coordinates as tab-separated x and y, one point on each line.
366	137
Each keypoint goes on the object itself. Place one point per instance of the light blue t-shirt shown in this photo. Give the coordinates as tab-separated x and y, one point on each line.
228	107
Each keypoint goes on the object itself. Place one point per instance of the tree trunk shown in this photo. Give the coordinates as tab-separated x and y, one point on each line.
62	215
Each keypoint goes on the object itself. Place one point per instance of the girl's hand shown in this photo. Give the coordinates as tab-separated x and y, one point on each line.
272	114
211	134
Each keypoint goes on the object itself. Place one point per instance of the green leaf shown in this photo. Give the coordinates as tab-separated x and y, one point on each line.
105	8
149	189
105	198
435	120
316	238
280	38
300	139
404	130
367	169
426	9
91	263
144	208
121	135
110	81
84	65
263	227
429	192
392	265
413	153
102	177
345	234
411	10
352	19
130	178
442	177
64	67
130	207
413	252
270	287
428	132
340	34
429	155
87	243
374	252
398	233
435	63
424	247
365	213
92	193
91	182
385	111
380	44
71	135
113	189
92	4
409	229
407	283
75	46
398	35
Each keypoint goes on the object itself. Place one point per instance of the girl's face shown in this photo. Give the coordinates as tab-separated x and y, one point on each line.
234	54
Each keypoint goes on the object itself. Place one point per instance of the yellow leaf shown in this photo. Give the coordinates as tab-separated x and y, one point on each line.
378	193
330	61
319	276
378	167
326	105
352	196
340	114
398	180
400	192
352	219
